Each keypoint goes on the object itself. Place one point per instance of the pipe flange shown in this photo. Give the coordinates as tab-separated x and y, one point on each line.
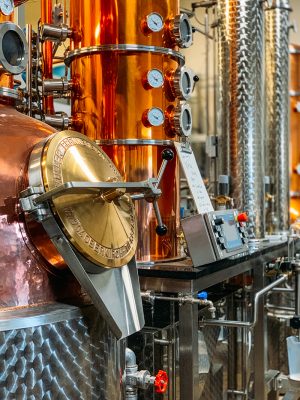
183	120
12	94
182	31
123	48
13	48
183	83
134	142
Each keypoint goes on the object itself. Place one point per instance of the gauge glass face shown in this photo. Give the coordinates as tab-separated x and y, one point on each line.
155	22
155	78
186	83
6	6
185	30
186	121
156	116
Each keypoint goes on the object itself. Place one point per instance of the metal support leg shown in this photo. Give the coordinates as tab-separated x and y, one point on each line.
188	352
259	340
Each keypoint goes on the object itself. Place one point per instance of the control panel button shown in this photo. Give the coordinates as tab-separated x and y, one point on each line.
243	217
219	221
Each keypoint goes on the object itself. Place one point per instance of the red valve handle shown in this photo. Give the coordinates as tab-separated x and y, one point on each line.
243	217
161	382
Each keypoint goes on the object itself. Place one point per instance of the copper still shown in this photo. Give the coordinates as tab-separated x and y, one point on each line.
295	137
114	50
26	277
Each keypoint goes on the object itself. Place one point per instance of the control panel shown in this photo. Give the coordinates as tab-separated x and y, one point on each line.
215	235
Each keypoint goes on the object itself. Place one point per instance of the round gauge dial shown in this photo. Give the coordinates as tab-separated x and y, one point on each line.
153	117
183	31
6	6
154	79
154	22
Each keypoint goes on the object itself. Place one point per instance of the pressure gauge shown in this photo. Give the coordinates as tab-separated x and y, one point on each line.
183	120
153	117
154	79
153	23
6	6
182	31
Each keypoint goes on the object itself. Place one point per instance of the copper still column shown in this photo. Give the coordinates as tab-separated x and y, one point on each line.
241	106
277	103
112	99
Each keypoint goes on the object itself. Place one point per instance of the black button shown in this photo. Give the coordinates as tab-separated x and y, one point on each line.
219	221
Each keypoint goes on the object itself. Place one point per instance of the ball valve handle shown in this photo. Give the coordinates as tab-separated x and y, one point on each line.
167	155
161	382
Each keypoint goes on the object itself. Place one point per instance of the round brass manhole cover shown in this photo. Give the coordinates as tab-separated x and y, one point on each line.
103	228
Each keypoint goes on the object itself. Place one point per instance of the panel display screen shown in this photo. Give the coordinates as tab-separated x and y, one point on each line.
231	233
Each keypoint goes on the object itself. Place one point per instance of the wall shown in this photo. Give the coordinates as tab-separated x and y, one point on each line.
295	18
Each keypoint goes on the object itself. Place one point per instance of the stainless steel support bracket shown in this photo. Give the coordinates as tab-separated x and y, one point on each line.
114	292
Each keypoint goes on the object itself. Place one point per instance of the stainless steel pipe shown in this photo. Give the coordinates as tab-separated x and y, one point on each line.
257	297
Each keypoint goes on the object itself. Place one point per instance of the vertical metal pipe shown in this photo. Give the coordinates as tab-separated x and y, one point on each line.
29	68
47	62
259	339
188	352
241	106
277	106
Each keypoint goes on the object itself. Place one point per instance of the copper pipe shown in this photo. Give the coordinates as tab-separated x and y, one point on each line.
47	62
110	101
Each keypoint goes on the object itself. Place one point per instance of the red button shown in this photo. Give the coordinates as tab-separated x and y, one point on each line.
243	217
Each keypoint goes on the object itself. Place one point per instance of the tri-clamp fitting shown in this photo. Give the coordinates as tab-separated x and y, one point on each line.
135	379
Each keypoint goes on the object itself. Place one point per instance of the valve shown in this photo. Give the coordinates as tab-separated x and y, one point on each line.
161	382
135	379
202	295
161	229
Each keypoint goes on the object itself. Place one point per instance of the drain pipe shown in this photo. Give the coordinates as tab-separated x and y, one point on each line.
135	379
